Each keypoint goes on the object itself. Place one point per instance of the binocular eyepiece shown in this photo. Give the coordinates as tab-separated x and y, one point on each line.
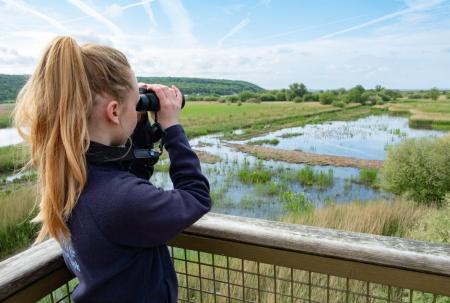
149	102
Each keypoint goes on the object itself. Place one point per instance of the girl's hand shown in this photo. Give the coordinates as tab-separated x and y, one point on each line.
170	100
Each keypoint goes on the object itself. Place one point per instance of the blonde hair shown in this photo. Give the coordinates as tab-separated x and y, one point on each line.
52	113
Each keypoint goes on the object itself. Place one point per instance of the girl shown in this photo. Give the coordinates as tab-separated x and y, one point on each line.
111	223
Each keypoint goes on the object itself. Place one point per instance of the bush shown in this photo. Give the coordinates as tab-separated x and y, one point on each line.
280	96
268	97
239	103
417	96
254	100
244	96
373	99
338	103
298	99
210	98
311	97
327	98
419	168
384	97
233	98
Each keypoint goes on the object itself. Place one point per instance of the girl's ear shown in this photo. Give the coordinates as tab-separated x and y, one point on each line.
113	112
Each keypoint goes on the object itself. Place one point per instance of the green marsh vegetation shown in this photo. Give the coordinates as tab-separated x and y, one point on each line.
367	176
256	174
309	177
290	135
264	141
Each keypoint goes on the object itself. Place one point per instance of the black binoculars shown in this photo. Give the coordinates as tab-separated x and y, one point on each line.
149	102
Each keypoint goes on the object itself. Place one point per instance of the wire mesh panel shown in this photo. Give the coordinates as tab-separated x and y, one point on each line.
207	277
61	294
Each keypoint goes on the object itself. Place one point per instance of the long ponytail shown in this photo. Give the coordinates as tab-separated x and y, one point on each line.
52	113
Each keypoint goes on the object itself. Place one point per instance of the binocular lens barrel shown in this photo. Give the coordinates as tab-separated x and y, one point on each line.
148	101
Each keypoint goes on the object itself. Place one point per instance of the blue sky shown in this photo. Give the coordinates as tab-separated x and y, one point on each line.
324	44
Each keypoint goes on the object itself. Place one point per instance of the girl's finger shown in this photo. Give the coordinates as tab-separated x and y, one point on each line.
159	91
179	94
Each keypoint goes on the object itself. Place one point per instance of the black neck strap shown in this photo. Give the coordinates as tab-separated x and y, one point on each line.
99	153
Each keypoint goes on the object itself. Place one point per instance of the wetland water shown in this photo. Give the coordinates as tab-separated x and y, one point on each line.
281	190
365	138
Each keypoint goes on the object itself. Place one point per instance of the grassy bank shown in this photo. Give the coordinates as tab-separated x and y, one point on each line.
5	113
422	113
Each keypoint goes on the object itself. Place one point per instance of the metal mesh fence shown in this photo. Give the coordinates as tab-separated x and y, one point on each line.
213	278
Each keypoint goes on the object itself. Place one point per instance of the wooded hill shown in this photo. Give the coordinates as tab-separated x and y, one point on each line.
11	84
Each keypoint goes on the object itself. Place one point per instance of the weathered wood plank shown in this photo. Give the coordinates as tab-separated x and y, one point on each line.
28	266
388	251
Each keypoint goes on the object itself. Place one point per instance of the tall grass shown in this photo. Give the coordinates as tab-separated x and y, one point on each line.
5	115
379	217
308	177
434	226
16	209
296	203
13	157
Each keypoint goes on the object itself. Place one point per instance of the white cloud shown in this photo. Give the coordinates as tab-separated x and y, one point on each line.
234	30
151	16
114	10
413	6
12	56
96	15
23	7
180	22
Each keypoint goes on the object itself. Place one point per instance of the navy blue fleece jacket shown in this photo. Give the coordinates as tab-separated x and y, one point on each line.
121	223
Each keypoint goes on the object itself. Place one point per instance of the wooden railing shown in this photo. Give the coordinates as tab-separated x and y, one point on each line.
225	258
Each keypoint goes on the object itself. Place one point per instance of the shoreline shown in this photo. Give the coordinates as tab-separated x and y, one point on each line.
294	156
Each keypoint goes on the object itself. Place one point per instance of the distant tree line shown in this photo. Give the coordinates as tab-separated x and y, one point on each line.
298	92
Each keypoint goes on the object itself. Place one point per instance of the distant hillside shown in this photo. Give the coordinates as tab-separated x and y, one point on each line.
11	84
204	86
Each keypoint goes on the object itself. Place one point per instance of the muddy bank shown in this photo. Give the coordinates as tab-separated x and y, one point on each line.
207	157
294	156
